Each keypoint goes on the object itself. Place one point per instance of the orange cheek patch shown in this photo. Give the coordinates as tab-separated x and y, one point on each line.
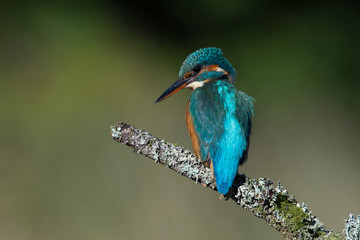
212	67
187	75
209	68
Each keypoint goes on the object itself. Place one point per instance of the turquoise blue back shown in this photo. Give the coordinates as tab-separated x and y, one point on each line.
222	121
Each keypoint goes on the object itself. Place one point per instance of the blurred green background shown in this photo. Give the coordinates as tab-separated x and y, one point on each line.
68	70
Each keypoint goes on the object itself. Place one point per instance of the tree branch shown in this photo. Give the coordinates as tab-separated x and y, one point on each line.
272	203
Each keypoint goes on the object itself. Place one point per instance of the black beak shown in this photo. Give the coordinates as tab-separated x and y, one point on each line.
177	86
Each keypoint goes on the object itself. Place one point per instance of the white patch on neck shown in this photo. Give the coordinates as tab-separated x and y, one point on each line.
219	69
195	85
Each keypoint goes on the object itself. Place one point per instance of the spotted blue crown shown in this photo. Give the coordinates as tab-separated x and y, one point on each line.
207	56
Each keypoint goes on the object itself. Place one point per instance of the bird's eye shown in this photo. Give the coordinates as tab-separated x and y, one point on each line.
197	68
195	71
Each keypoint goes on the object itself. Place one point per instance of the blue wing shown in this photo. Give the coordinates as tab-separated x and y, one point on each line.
222	121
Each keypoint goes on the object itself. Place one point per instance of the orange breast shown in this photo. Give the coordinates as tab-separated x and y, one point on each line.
194	137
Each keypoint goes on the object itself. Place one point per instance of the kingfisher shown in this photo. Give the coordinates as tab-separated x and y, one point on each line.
218	116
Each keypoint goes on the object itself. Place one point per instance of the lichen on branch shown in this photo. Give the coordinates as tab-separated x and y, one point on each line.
271	203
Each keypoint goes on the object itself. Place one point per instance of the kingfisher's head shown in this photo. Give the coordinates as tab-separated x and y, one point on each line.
203	65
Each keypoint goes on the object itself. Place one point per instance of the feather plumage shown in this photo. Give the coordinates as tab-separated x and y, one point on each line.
218	115
221	118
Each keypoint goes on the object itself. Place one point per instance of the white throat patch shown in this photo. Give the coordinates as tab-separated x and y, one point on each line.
219	69
195	85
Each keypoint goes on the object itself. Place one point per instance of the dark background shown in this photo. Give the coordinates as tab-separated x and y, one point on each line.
70	70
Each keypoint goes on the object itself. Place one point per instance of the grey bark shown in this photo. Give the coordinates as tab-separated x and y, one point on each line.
271	203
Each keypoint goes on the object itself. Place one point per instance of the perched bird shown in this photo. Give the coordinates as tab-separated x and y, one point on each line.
218	116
